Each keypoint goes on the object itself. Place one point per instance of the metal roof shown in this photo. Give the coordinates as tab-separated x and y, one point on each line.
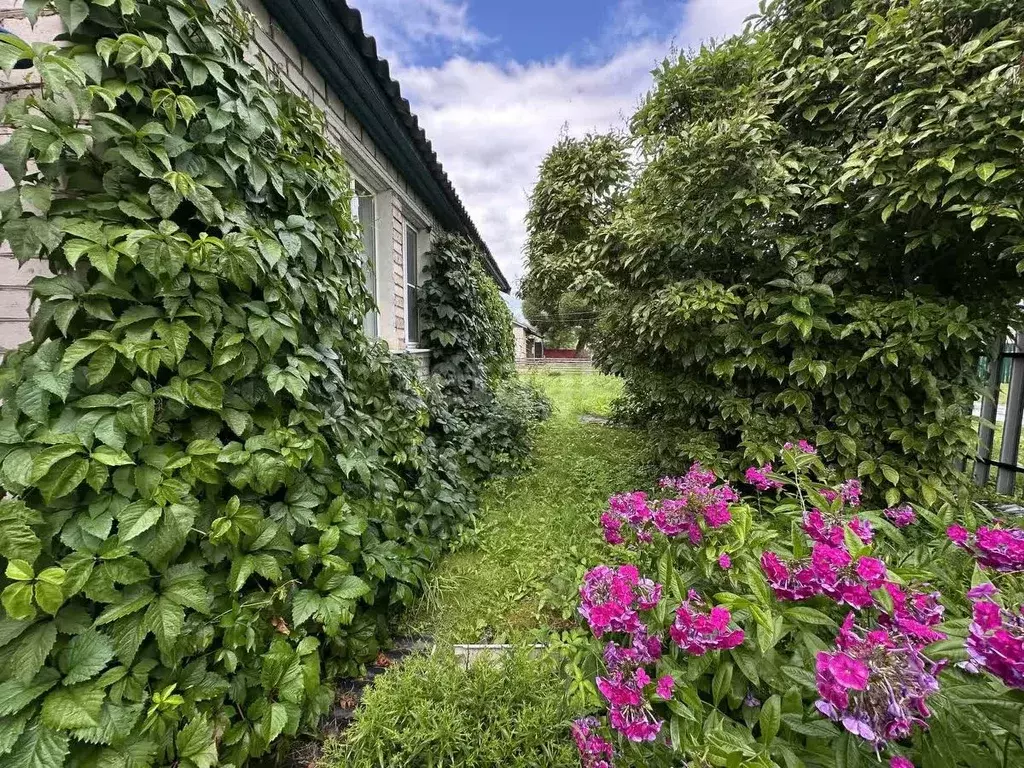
330	33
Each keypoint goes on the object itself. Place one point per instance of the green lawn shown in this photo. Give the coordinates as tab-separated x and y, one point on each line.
537	533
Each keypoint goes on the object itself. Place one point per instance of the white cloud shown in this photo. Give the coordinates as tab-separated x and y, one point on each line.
492	124
403	27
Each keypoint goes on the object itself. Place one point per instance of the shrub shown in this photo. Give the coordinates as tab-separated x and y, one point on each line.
794	628
822	239
217	489
434	710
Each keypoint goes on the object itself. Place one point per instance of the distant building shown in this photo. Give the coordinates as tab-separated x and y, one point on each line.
529	343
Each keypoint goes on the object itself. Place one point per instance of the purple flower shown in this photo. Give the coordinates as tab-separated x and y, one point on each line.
665	686
900	762
995	642
850	492
876	684
901	516
595	751
822	531
630	511
862	528
724	562
611	598
698	630
699	505
760	480
1001	549
803	446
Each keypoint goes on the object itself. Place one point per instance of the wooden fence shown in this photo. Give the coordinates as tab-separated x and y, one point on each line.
999	429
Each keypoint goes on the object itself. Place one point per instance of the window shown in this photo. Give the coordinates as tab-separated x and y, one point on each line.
363	209
412	286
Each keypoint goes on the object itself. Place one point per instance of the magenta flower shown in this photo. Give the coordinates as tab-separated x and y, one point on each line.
875	684
830	571
914	615
665	686
900	762
595	751
699	505
803	446
629	707
995	642
628	510
871	569
760	480
1001	549
863	530
611	598
724	562
901	516
821	530
697	630
850	492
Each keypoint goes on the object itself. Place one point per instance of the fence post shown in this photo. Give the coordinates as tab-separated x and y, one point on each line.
989	407
1006	479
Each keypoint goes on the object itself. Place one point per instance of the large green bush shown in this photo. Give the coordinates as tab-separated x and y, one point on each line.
216	487
824	237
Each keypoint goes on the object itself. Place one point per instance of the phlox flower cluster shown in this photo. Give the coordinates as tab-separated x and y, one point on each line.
595	750
760	480
828	529
803	446
699	504
628	510
876	684
830	571
1001	549
611	599
914	615
698	629
901	516
996	639
629	689
850	492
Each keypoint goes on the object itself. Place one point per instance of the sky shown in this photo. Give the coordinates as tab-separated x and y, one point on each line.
495	83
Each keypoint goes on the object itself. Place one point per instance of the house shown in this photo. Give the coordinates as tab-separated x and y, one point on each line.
403	196
528	342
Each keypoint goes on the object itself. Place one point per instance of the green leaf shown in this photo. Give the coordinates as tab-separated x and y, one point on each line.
986	171
891	474
74	707
19	570
27	658
164	619
86	656
64	478
196	744
46	458
770	718
351	588
17	601
38	747
136	519
11	729
15	695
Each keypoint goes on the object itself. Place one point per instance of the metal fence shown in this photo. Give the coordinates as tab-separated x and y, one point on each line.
999	429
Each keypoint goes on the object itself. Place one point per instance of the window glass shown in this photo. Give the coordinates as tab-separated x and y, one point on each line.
364	210
412	283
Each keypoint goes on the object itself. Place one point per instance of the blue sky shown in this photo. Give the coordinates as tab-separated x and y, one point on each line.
496	82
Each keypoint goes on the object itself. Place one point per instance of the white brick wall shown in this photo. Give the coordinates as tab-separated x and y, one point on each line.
396	205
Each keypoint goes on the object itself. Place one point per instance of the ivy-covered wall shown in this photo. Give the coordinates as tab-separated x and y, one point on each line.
217	489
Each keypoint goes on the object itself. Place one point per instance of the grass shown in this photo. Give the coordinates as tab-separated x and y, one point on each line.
537	533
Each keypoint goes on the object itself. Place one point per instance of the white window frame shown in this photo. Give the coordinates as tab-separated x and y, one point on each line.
363	192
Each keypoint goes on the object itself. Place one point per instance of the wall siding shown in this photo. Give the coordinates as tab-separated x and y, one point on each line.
273	49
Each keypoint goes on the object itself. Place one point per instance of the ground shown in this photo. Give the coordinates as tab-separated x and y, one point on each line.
538	532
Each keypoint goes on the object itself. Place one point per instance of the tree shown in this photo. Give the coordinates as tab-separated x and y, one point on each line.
823	237
580	186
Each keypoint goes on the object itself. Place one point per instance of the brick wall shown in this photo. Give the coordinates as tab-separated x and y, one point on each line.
396	206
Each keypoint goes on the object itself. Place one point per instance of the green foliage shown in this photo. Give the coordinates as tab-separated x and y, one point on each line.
581	182
435	710
519	571
824	237
490	414
217	488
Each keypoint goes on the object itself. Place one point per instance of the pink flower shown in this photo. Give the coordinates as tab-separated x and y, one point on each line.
872	570
849	672
595	751
1001	549
900	762
995	642
628	511
611	598
665	686
862	528
697	630
699	505
901	516
760	480
850	491
822	531
958	535
724	562
876	684
803	445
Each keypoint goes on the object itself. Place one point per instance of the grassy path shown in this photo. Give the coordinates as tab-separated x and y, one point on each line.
538	533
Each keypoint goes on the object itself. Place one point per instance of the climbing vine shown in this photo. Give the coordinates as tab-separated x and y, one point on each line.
216	487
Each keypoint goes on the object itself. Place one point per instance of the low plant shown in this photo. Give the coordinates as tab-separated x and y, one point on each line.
509	711
791	627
